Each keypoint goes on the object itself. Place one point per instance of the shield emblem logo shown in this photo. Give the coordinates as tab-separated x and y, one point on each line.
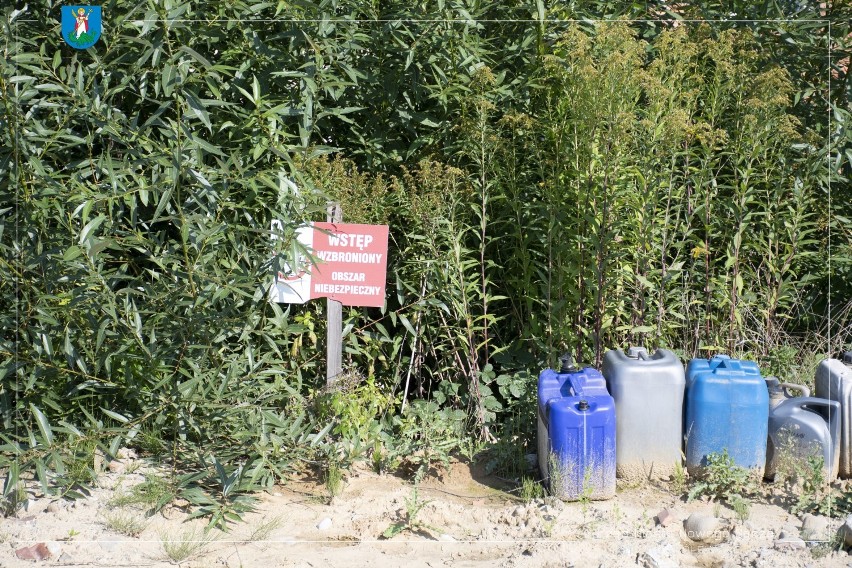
81	25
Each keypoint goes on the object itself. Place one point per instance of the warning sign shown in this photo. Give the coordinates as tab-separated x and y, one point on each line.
349	265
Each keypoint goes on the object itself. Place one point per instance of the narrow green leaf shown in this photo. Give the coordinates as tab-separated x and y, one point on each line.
43	424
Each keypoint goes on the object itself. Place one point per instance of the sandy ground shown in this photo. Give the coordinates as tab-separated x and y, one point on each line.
469	520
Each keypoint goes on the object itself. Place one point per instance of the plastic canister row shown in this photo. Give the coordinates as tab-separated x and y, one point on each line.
727	407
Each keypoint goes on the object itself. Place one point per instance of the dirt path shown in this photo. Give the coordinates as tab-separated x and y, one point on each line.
467	520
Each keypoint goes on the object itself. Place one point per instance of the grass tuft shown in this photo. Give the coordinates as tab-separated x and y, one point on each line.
187	544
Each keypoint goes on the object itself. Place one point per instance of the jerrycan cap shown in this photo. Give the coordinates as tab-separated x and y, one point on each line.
568	365
637	353
583	405
847	358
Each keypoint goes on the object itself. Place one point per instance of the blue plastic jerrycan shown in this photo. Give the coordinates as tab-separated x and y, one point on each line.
727	408
576	432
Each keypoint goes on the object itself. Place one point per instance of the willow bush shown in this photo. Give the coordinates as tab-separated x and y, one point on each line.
137	252
550	185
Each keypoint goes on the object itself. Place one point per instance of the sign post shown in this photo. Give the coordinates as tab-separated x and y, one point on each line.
343	262
334	331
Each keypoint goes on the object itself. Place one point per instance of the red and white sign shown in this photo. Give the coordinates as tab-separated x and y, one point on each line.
350	266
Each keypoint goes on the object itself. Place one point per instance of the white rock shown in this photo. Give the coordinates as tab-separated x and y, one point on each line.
126	453
447	537
789	543
814	527
54	547
657	558
701	527
324	524
55	507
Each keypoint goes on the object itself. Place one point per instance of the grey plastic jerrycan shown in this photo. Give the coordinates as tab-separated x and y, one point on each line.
834	382
800	427
648	390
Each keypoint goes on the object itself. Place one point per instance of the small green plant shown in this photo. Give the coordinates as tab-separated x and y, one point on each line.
506	458
723	479
187	544
470	447
14	496
411	523
333	479
816	495
641	525
803	476
223	498
377	457
425	437
821	549
556	478
741	506
531	490
152	494
262	531
124	522
149	442
616	513
586	492
79	470
678	484
356	405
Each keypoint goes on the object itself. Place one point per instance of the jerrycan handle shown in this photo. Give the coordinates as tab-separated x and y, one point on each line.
728	363
805	391
569	366
637	353
832	410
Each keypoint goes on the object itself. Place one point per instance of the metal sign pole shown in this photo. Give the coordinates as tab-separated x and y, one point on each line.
334	310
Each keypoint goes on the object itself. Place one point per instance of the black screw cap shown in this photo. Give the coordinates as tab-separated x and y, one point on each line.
568	364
